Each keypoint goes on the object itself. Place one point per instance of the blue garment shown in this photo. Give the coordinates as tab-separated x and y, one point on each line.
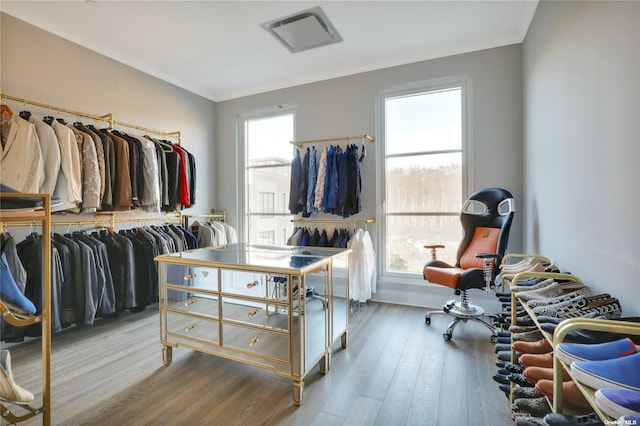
10	291
352	203
311	187
303	183
305	238
322	242
325	198
332	174
294	183
342	180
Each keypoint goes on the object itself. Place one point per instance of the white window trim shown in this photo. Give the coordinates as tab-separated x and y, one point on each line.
465	83
241	148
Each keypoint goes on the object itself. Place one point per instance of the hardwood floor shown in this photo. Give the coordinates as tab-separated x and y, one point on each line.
395	371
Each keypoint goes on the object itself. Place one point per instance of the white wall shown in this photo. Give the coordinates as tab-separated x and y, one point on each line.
40	66
346	106
581	109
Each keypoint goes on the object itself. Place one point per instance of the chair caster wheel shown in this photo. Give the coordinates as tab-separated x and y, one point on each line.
494	338
427	320
446	337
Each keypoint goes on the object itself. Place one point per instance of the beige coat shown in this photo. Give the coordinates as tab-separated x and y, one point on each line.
21	164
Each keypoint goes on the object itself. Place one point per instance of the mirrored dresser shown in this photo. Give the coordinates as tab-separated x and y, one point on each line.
267	306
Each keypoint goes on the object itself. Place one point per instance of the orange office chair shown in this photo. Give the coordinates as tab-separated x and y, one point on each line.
486	219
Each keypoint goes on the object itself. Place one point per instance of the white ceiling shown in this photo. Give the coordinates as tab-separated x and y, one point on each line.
217	49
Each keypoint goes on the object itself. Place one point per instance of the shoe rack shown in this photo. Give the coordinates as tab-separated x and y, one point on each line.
14	413
613	326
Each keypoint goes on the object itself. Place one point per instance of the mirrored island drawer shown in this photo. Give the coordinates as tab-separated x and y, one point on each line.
192	327
190	301
263	343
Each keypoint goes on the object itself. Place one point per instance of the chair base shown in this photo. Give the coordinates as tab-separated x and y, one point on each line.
463	313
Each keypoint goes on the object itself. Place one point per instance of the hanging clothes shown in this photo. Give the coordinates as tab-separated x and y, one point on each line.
362	267
294	183
21	164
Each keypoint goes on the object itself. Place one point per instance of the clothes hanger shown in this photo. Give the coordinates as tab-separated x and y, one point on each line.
5	111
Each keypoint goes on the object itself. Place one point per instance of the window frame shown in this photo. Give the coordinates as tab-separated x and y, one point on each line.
242	161
415	88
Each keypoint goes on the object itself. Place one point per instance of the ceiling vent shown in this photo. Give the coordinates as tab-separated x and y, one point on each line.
303	31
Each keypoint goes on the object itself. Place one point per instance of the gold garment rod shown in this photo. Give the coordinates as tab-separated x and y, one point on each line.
106	117
176	135
304	220
109	220
370	138
215	214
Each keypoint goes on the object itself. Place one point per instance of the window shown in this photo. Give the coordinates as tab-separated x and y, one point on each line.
422	179
267	163
267	237
266	200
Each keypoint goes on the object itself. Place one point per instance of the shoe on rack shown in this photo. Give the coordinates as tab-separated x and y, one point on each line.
501	347
512	368
556	419
554	290
529	421
572	397
584	291
503	340
620	373
534	407
541	346
607	308
532	287
506	356
10	391
618	402
10	291
515	378
537	360
522	329
529	336
570	352
535	374
525	392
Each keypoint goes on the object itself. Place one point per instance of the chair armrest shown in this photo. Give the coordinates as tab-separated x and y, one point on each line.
434	246
488	255
434	250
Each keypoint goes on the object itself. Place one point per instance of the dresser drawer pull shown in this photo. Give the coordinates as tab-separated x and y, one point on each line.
252	284
190	302
253	313
189	277
253	341
191	327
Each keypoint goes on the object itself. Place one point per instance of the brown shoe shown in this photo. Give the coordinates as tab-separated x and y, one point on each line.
541	346
572	398
534	374
537	360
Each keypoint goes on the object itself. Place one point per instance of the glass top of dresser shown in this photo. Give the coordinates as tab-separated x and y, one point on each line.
282	258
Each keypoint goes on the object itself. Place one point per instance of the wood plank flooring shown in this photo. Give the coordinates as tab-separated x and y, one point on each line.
395	371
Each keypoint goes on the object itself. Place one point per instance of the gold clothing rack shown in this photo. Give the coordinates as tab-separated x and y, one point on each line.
370	138
106	117
215	214
109	221
177	135
354	221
